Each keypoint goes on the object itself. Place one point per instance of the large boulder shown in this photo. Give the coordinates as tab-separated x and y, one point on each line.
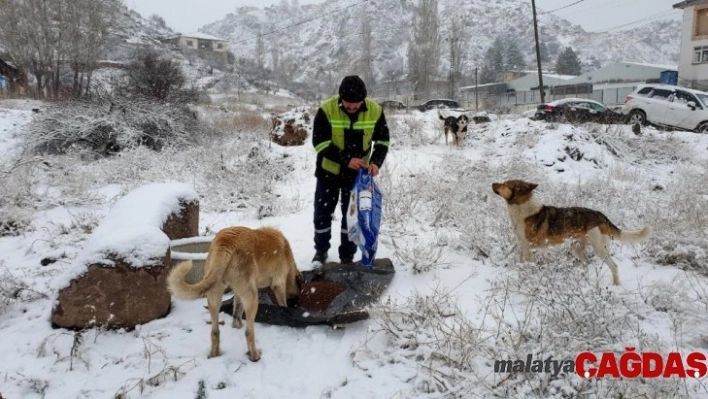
119	280
114	296
184	223
291	128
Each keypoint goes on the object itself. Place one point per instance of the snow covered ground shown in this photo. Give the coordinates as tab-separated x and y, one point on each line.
459	299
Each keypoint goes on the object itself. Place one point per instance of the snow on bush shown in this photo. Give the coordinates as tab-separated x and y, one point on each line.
106	125
426	335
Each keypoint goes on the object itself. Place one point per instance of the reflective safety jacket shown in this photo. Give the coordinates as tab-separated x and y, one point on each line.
338	137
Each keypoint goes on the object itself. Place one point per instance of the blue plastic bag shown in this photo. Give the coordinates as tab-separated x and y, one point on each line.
364	216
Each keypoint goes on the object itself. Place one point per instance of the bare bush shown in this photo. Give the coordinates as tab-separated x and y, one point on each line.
420	254
242	120
403	202
407	131
429	333
15	290
555	310
107	124
680	222
158	77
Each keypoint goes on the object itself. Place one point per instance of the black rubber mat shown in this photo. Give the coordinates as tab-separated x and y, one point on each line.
364	286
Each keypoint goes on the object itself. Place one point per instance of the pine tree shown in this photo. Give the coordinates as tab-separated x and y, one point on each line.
493	63
513	59
543	49
568	63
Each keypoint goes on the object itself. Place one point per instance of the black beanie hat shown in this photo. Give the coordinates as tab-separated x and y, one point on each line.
352	89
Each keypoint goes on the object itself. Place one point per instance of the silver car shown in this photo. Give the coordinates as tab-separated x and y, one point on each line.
668	105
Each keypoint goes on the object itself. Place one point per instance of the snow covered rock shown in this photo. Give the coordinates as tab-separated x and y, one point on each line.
291	128
119	281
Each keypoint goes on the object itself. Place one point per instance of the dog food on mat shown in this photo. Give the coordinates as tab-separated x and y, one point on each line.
315	296
334	295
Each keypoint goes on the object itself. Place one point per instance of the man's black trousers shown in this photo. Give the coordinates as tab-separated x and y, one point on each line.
327	195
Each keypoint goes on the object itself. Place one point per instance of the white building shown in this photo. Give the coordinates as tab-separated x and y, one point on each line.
530	81
200	41
693	61
622	74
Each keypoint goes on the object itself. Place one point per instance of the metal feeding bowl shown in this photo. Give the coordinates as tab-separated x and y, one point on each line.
195	249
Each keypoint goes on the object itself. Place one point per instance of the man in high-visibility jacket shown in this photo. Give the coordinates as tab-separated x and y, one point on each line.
344	130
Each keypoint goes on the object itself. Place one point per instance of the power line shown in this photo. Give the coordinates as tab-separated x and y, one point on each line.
660	15
301	22
590	8
564	7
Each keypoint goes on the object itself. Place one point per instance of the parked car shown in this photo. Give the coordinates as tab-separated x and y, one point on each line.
668	105
392	104
578	110
440	103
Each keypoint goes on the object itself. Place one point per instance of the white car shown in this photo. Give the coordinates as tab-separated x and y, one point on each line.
668	105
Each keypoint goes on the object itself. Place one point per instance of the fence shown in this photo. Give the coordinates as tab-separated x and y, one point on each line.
522	100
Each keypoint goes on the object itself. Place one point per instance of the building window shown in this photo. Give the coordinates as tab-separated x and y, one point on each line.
189	43
219	46
700	55
700	22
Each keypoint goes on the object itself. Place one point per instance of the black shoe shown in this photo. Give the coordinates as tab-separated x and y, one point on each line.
320	257
346	261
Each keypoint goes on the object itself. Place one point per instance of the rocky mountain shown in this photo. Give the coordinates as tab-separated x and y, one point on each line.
134	30
320	42
308	48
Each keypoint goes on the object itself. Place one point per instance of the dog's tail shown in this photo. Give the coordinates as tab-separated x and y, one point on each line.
440	115
177	285
633	237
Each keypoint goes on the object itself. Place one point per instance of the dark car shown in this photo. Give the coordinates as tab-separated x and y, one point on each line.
578	110
392	104
442	103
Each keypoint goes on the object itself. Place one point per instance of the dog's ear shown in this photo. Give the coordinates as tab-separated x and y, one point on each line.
526	188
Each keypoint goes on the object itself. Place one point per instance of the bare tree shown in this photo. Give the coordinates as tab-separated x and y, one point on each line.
366	52
46	38
260	51
29	38
91	24
157	22
275	59
424	50
153	76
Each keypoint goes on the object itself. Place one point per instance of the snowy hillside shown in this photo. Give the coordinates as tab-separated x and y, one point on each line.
458	302
326	38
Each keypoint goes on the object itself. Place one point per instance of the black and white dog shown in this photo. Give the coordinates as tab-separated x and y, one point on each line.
457	126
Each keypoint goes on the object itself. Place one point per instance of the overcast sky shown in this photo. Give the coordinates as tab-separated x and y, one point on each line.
602	15
187	16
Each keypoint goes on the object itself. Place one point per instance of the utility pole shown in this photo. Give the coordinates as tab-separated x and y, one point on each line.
453	61
538	53
476	91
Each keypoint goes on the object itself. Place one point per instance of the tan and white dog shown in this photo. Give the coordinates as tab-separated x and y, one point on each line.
246	260
538	225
